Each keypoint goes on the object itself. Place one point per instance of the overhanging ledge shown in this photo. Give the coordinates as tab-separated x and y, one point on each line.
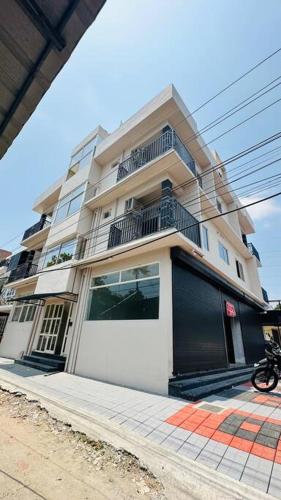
40	298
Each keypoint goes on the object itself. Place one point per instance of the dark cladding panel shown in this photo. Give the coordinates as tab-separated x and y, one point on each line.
252	333
199	342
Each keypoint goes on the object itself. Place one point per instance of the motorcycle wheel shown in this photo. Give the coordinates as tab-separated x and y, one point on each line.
264	379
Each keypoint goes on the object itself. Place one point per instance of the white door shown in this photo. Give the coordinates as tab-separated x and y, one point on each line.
50	328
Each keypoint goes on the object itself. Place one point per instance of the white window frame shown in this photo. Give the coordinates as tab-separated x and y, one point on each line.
59	246
205	238
61	202
23	311
120	281
223	253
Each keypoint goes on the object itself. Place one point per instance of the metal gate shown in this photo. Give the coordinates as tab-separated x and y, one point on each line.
50	328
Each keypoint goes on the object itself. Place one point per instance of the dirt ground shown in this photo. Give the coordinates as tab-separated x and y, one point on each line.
41	458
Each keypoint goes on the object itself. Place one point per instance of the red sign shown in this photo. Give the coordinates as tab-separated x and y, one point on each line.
230	309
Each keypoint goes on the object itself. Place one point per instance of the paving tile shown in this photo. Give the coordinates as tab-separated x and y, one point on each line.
231	468
257	473
156	436
130	424
189	450
143	430
118	419
166	428
181	434
216	448
209	458
251	436
172	443
237	456
199	441
271	442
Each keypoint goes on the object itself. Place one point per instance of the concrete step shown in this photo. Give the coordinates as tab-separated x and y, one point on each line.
37	366
209	372
178	386
206	390
47	355
55	363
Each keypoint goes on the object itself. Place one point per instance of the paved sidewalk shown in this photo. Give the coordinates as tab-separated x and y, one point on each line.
237	432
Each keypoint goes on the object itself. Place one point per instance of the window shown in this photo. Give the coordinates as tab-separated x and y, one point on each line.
106	214
219	205
59	253
125	295
240	270
70	204
23	313
84	155
205	237
223	253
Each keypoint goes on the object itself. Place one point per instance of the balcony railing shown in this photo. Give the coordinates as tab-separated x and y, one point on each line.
23	271
254	251
167	141
167	214
41	224
265	295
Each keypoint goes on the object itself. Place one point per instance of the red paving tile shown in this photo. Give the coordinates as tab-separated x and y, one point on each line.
205	423
241	444
263	451
250	427
205	431
222	437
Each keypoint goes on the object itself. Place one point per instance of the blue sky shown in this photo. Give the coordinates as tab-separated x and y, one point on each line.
133	50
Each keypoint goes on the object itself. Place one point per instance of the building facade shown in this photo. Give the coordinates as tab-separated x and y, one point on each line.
132	275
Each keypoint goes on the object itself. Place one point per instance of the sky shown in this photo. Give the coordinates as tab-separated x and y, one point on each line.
130	53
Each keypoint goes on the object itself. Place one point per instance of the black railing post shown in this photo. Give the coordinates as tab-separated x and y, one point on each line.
166	205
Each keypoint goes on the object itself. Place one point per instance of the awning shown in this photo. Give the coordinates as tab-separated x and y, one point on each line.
40	298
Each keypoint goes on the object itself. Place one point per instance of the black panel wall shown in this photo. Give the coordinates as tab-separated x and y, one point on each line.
199	342
252	333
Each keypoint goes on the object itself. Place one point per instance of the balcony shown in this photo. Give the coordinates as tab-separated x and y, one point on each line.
167	141
265	295
254	251
23	271
169	213
41	224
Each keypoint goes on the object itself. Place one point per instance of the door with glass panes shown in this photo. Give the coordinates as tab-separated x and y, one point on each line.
50	328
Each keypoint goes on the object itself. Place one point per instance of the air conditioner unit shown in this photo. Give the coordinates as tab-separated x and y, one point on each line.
132	204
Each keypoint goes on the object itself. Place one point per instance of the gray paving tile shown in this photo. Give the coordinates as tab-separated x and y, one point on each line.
189	451
166	428
130	424
236	455
231	468
198	441
216	448
275	481
257	472
157	436
181	433
119	419
209	458
143	429
172	443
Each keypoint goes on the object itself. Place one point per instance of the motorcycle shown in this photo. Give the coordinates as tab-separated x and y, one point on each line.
268	370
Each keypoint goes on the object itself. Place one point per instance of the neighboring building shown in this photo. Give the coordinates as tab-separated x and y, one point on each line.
37	39
121	279
5	307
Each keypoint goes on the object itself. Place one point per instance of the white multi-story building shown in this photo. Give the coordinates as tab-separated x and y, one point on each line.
132	275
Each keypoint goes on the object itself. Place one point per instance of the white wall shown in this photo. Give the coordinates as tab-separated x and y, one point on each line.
136	353
15	338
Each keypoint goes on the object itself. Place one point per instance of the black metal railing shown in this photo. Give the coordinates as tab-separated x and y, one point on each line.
254	251
167	141
265	295
41	224
169	213
22	271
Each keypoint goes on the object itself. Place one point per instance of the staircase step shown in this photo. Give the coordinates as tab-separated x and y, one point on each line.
37	366
47	355
207	390
56	363
206	379
196	374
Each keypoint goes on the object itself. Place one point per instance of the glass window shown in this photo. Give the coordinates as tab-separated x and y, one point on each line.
125	301
140	272
16	313
240	270
223	253
219	205
124	295
60	253
70	204
83	153
107	279
205	237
